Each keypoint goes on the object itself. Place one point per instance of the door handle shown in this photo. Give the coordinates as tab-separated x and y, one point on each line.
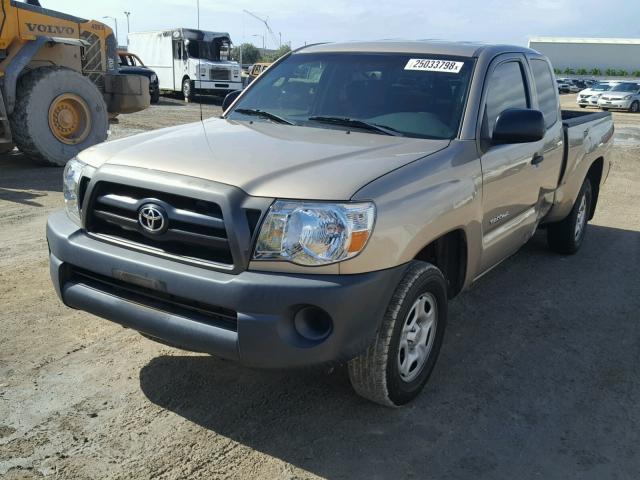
537	159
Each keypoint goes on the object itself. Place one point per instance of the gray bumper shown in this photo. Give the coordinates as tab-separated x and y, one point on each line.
265	303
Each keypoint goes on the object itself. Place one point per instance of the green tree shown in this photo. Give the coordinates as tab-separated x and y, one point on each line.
557	71
569	71
636	73
596	71
610	72
582	71
283	50
622	73
250	53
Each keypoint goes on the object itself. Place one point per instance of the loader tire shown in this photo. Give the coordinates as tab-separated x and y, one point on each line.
58	114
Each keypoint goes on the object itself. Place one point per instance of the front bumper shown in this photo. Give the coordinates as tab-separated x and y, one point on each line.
616	104
218	85
99	278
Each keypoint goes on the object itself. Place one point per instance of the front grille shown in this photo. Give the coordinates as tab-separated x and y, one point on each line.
194	230
220	74
155	299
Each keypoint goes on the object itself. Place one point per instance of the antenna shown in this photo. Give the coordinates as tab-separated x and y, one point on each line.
199	62
266	24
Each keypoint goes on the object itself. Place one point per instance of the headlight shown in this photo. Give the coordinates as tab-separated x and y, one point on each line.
308	233
627	97
72	175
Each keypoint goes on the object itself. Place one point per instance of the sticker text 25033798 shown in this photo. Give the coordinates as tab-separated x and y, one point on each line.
429	65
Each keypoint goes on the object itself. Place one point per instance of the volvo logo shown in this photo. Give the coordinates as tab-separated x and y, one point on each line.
152	218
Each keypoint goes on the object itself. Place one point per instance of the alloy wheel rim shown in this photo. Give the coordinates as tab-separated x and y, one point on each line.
417	337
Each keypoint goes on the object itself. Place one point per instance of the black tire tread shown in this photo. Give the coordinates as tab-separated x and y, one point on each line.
367	372
19	119
560	235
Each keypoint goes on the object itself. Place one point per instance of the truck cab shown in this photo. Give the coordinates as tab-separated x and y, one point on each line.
189	61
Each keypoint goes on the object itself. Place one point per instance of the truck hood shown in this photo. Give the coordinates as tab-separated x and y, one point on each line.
267	159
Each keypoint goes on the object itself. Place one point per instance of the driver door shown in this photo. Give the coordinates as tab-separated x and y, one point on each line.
510	189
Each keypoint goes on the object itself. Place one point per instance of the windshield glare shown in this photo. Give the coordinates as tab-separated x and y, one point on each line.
380	89
601	87
625	87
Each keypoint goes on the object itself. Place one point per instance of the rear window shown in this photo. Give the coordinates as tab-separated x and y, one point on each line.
546	91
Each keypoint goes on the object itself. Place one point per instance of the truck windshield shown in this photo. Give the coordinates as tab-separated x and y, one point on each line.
213	51
417	95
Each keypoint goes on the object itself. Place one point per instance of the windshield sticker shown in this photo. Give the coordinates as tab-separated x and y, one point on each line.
428	65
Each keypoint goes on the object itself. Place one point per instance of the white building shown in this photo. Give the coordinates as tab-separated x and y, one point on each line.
588	53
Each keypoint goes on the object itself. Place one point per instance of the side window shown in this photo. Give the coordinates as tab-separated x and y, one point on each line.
506	89
177	54
546	91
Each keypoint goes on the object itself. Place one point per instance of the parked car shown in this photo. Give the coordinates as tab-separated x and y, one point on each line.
563	86
623	96
573	85
589	97
257	69
131	64
335	207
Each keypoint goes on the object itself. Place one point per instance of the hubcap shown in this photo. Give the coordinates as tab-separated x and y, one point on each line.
581	218
417	337
69	119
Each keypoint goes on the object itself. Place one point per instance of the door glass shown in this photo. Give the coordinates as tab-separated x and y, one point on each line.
546	91
506	89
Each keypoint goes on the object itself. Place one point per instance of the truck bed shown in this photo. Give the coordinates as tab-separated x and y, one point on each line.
573	118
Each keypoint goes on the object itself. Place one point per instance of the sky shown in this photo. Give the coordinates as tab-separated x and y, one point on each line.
300	22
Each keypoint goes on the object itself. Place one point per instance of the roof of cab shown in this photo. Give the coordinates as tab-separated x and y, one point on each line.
434	47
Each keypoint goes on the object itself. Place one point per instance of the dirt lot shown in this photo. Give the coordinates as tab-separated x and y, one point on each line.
538	376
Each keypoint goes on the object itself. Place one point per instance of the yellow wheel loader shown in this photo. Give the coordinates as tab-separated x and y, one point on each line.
59	82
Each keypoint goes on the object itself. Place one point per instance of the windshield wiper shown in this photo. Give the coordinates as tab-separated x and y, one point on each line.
264	114
352	122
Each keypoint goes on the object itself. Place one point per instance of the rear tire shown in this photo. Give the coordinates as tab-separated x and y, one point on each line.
396	366
42	94
566	237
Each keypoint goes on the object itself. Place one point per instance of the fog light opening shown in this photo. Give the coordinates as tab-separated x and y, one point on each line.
313	323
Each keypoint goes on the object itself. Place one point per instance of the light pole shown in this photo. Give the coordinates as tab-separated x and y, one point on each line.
280	34
128	29
116	22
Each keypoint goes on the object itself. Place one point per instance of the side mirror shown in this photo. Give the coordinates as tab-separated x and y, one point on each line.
518	125
229	99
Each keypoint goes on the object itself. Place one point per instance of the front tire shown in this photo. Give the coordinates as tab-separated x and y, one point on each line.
58	114
187	89
635	106
396	366
566	237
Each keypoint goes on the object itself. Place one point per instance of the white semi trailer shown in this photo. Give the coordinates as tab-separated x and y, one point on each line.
189	61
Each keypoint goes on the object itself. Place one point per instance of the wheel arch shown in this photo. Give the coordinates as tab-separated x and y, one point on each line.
450	253
595	177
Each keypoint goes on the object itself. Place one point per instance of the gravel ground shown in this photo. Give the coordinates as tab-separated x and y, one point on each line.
538	376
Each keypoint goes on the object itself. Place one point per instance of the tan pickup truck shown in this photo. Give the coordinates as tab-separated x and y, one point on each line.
331	212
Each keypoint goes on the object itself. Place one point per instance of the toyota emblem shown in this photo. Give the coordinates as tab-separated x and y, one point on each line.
152	218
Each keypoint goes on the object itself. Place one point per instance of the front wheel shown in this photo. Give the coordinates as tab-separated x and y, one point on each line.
566	236
635	106
396	366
